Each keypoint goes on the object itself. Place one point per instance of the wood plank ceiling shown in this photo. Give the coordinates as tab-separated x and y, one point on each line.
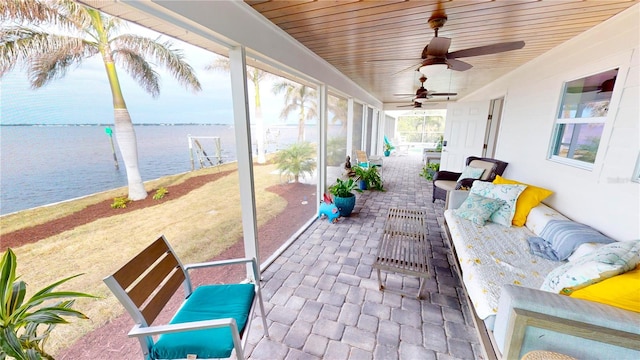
378	43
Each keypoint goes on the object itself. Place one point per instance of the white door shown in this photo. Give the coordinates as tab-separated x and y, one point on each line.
464	133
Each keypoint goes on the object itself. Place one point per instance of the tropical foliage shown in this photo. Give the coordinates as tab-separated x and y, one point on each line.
300	98
47	37
344	188
296	160
370	175
25	326
429	170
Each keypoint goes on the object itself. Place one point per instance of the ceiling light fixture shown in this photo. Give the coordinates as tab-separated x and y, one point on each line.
434	66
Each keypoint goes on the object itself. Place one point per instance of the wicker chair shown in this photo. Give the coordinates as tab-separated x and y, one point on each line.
444	181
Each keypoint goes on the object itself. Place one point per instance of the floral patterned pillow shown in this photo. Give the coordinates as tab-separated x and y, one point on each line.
478	209
507	193
609	260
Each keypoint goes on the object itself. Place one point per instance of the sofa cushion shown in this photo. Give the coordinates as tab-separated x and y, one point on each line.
530	198
470	172
486	165
447	185
207	302
560	238
478	209
609	260
508	193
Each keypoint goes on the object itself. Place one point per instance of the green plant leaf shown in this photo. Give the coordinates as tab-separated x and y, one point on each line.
16	297
11	344
7	278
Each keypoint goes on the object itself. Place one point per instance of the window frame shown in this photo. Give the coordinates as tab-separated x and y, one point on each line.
559	123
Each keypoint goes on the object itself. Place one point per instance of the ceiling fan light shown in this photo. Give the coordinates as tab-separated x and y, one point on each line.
430	70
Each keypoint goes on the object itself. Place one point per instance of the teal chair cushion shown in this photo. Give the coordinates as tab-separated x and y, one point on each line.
207	302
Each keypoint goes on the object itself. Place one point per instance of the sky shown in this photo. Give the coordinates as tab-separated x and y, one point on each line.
83	95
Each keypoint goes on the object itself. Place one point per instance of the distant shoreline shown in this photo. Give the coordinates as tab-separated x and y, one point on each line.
111	124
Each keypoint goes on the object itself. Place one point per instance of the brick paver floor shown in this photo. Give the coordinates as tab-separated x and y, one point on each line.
322	298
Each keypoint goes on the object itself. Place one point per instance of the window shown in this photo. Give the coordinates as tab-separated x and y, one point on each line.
581	119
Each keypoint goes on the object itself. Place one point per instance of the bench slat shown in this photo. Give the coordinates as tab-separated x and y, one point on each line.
150	281
160	299
132	270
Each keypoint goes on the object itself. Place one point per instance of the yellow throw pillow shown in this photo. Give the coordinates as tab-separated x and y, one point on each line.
622	291
528	199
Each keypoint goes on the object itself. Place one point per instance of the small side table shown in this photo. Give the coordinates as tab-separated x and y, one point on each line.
404	247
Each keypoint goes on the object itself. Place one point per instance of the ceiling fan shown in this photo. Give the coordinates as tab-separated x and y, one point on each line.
436	56
415	105
422	94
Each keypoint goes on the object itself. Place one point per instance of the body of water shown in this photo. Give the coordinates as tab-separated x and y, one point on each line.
41	165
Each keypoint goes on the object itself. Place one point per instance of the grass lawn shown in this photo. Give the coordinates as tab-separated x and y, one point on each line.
199	225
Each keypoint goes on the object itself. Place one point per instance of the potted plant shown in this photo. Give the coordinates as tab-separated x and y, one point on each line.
429	170
26	323
343	195
369	178
387	149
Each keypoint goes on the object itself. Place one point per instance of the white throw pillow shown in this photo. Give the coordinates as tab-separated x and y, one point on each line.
508	193
584	249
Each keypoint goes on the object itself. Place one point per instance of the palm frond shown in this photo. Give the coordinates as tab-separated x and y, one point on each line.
53	64
64	14
162	53
139	69
40	52
219	64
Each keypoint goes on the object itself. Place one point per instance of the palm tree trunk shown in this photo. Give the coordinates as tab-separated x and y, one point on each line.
126	136
259	120
125	133
301	123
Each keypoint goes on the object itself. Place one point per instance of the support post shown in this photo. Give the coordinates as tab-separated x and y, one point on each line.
241	119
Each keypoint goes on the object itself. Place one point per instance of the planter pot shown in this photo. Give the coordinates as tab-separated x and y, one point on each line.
362	184
387	152
345	205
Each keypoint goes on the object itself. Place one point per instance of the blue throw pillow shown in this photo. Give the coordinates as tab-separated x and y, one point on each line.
478	209
471	173
560	238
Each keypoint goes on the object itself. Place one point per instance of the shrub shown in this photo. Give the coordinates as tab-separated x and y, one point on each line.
120	203
160	193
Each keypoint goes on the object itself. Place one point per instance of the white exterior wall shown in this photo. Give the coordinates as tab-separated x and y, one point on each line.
604	198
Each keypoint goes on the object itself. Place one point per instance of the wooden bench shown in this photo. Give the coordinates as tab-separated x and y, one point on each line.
212	321
404	247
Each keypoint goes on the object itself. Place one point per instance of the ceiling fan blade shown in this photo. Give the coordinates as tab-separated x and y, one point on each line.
414	66
443	94
438	47
381	60
486	50
458	65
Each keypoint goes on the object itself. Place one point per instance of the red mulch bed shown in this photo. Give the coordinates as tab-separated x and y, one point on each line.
110	341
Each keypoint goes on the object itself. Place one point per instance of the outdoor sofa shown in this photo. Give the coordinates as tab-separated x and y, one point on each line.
502	281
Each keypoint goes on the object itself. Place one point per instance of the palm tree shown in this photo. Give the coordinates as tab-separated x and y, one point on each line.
299	98
255	75
85	32
297	160
338	107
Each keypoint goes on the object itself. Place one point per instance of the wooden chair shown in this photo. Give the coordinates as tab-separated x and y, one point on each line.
363	160
212	321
